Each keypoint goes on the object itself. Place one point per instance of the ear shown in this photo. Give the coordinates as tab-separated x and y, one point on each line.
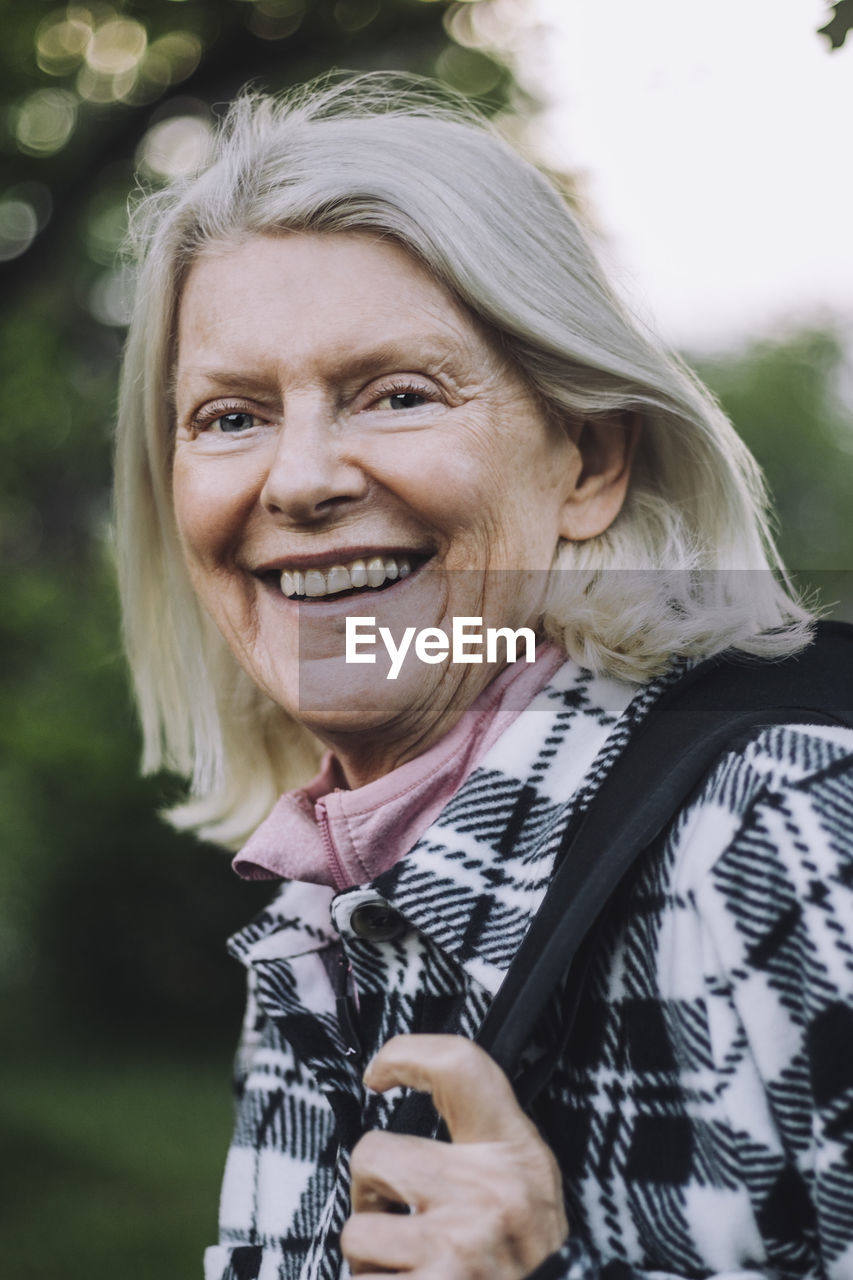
600	481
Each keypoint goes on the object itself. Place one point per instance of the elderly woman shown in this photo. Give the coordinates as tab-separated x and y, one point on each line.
376	388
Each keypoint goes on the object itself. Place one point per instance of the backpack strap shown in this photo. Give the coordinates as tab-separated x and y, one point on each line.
671	752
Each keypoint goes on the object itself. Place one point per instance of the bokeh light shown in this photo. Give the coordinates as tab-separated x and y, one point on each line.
275	19
355	15
467	70
106	227
155	76
35	194
99	88
178	51
116	47
167	60
175	148
110	54
111	296
18	227
483	26
62	39
45	121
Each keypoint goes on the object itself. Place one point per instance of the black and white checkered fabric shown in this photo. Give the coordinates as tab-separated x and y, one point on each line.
702	1112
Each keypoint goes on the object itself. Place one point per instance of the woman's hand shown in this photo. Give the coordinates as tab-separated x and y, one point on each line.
488	1206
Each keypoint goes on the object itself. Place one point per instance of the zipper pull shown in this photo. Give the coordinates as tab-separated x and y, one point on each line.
345	1008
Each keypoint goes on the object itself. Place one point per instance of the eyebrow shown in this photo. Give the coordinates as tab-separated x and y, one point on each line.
398	353
219	377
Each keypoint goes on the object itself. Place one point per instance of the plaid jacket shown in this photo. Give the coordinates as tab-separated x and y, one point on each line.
702	1112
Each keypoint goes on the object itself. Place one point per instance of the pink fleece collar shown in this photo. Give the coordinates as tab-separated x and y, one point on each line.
325	834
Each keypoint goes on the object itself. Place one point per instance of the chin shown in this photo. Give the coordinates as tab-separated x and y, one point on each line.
336	697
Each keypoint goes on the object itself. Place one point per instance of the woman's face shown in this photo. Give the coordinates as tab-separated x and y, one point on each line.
339	419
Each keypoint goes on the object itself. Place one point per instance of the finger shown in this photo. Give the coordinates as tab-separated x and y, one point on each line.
379	1242
390	1170
468	1088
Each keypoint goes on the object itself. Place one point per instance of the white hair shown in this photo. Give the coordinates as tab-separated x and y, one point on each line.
391	155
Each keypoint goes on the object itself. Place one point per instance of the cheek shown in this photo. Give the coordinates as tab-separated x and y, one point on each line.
208	509
447	483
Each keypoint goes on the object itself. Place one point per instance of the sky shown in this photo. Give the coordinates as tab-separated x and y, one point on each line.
714	140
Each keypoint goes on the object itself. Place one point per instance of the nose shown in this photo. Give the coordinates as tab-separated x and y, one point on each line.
309	476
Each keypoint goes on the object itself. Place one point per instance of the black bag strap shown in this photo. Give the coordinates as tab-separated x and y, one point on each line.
672	750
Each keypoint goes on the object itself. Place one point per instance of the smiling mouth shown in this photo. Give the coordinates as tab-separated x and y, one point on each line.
340	581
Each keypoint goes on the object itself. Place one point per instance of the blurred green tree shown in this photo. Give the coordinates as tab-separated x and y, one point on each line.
789	398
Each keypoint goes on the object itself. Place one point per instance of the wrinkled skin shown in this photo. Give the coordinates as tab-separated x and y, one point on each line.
486	1206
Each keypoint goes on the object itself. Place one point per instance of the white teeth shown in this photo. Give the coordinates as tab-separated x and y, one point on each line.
337	579
314	583
375	571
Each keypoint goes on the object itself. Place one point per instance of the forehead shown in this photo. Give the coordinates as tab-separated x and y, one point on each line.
305	289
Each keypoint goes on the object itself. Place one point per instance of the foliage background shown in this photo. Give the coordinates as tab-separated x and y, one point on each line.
118	1008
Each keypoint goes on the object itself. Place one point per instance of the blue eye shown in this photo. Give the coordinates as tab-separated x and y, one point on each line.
406	400
234	421
402	400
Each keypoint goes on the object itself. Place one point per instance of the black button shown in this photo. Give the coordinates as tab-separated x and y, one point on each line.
376	922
